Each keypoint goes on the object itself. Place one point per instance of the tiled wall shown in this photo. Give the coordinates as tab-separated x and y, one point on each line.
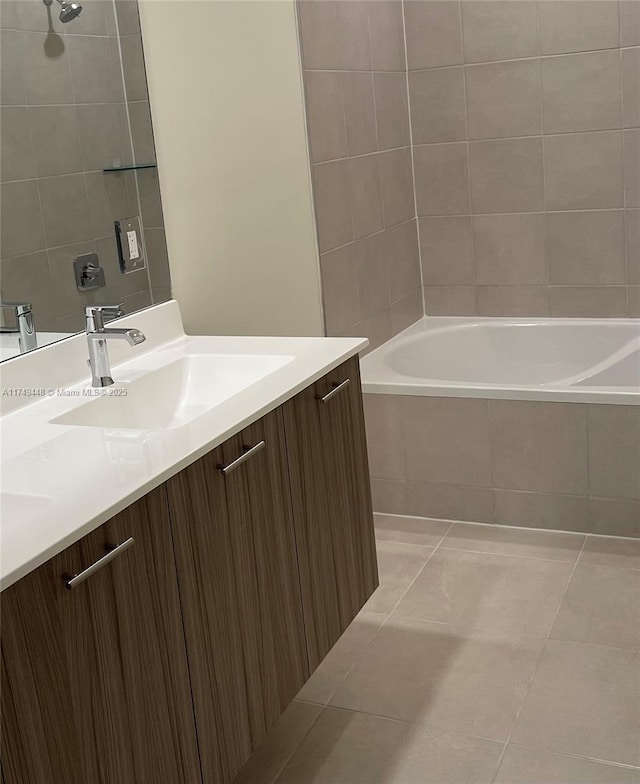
525	119
540	465
65	118
353	57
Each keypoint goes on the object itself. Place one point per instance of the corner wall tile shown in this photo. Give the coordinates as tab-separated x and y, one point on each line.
326	118
577	26
499	30
437	105
442	179
446	249
392	111
433	33
359	111
512	301
450	300
333	205
396	181
340	282
588	301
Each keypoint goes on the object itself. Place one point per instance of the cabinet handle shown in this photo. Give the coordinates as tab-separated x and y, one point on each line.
337	388
72	581
250	452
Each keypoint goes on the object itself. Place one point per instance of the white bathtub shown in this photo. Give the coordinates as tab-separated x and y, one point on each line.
563	360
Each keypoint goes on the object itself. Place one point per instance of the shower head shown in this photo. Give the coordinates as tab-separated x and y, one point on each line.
69	10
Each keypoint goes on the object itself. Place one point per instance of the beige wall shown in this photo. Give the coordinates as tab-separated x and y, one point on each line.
226	98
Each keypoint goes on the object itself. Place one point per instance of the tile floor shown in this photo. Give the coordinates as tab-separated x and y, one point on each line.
488	655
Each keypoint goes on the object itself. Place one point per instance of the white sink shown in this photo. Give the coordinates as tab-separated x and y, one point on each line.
175	394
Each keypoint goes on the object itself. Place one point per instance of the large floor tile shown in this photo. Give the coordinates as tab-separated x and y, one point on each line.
519	595
398	566
341	658
410	530
460	679
533	766
514	541
352	748
584	700
607	551
601	606
281	742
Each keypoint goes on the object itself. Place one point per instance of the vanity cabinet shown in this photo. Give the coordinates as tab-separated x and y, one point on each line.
332	505
95	686
227	587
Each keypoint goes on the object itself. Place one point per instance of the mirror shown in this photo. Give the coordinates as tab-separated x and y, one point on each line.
81	218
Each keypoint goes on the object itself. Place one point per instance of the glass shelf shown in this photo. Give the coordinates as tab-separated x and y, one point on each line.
130	167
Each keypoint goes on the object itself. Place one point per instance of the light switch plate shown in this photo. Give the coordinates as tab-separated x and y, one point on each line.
130	245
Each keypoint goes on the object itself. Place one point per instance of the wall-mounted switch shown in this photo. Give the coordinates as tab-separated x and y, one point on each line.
130	245
88	272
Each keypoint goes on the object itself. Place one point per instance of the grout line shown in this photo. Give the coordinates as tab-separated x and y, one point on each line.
290	756
537	667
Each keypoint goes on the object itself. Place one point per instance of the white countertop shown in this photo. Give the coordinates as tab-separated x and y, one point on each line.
59	482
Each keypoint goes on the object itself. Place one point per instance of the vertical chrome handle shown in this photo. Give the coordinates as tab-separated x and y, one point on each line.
250	452
72	581
337	388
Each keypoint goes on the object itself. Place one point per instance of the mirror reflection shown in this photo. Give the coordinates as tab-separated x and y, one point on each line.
81	217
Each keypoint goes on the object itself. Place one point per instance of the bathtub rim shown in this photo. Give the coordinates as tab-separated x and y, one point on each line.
379	378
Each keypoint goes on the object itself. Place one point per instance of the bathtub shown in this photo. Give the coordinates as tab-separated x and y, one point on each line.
521	422
564	360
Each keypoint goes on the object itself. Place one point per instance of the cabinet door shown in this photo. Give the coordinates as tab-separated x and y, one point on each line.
332	504
240	592
95	684
204	555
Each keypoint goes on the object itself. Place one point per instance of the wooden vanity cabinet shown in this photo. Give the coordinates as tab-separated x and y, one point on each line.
332	504
171	662
240	592
95	686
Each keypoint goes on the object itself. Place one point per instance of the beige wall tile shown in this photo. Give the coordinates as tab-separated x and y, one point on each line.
512	301
567	693
373	285
442	179
510	249
631	87
376	327
340	282
327	139
74	223
384	436
614	451
549	545
539	446
588	301
392	112
632	236
437	105
449	502
506	175
433	33
633	301
450	300
333	205
582	92
12	86
396	181
504	99
583	171
543	510
16	157
47	80
499	29
446	249
354	37
22	226
27	279
446	440
387	35
366	198
406	311
410	530
359	110
577	25
403	262
632	168
586	247
388	496
606	551
319	33
629	23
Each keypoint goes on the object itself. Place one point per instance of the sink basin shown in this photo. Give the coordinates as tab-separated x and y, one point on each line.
175	394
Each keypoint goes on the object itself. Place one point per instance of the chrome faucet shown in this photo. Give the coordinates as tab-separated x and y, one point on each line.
97	337
25	325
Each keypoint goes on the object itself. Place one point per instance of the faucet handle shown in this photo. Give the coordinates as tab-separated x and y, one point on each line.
95	314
